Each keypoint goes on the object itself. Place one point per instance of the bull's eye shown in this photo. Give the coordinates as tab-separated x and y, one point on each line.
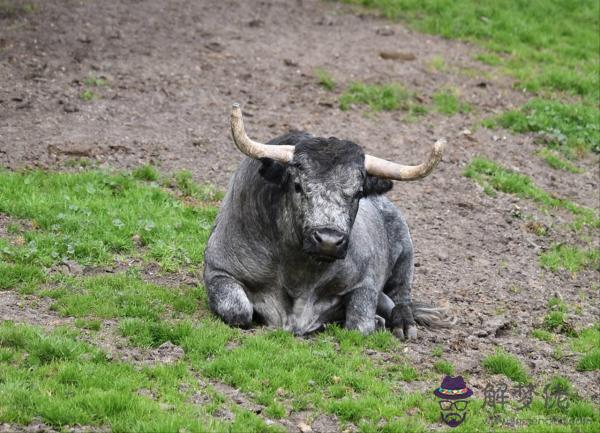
297	187
359	194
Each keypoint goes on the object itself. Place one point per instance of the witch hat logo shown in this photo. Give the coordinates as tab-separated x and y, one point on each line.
453	394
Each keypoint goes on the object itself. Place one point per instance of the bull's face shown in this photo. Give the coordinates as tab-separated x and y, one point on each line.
324	183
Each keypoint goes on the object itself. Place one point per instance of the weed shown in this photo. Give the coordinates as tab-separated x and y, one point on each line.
12	8
87	95
556	162
447	102
522	37
325	79
444	367
590	361
506	364
570	258
146	172
588	343
387	97
91	324
542	334
571	128
437	63
494	177
93	81
437	351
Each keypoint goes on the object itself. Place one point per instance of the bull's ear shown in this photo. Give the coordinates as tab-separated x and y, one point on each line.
376	185
272	171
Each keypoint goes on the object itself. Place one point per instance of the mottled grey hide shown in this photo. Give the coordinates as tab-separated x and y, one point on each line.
312	242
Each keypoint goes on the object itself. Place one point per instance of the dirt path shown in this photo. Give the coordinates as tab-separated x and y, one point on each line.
172	69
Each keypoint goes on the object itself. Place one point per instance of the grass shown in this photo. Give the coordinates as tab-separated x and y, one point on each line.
447	102
388	97
543	335
92	217
66	382
146	172
54	377
572	129
444	367
554	160
14	8
493	177
325	79
507	365
588	343
93	81
87	95
569	258
520	37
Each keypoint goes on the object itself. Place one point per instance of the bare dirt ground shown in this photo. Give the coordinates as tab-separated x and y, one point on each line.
172	70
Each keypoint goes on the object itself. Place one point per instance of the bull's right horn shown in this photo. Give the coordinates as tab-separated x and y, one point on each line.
252	148
392	170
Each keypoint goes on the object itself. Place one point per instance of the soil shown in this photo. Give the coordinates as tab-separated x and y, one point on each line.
172	70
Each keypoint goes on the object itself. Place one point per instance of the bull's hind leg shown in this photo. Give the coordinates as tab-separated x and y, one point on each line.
398	288
228	300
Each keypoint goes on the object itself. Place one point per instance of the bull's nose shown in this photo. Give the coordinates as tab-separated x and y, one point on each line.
328	241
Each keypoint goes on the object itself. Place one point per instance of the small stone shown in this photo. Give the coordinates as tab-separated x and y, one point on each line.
385	31
304	428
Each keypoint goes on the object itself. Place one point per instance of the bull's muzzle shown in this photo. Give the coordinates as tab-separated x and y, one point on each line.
326	244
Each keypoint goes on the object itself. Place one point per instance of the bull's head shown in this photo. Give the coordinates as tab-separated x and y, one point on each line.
325	179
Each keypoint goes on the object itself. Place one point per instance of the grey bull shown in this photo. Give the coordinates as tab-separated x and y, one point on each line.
305	237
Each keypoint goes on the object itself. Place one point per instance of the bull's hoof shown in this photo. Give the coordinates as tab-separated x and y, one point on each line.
409	333
403	323
379	323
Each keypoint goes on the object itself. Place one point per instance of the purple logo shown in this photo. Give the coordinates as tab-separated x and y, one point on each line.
453	394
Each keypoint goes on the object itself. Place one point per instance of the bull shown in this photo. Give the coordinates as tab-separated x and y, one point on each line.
305	237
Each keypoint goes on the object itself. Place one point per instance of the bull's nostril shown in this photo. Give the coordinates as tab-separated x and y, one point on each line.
340	241
318	237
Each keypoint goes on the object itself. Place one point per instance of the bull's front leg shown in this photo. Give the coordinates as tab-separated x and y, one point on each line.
361	309
228	300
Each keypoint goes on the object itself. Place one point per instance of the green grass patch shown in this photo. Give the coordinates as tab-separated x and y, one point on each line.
506	364
444	367
387	97
554	160
184	182
588	343
87	95
570	258
65	382
572	129
119	295
93	81
493	177
15	8
543	335
325	79
447	102
520	36
146	172
92	216
18	276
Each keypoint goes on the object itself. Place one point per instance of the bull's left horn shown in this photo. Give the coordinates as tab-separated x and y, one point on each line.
391	170
252	148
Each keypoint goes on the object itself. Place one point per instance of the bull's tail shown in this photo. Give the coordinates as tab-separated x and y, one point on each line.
424	314
433	317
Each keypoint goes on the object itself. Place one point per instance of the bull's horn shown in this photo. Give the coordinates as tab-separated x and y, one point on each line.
254	149
391	170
